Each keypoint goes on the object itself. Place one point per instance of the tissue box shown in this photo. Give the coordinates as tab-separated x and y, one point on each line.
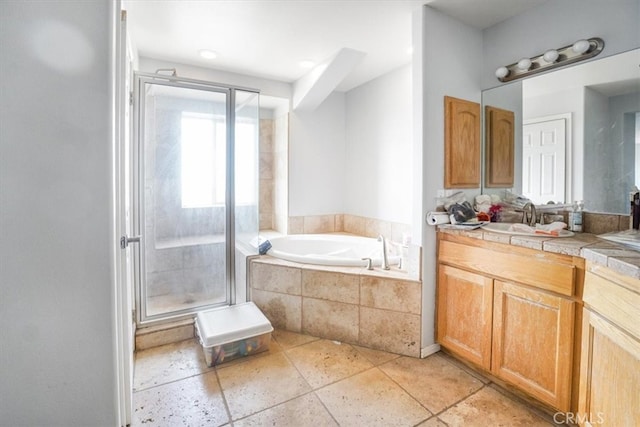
228	333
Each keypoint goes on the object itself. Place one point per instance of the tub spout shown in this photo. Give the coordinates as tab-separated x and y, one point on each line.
385	262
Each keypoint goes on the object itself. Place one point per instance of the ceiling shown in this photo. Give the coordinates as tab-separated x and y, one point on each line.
269	38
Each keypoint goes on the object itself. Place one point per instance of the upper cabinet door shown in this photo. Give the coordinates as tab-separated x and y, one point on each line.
499	146
461	143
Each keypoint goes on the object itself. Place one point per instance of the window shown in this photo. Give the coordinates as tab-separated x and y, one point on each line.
203	161
203	145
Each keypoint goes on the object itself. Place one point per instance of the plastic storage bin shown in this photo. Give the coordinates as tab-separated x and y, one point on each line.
231	332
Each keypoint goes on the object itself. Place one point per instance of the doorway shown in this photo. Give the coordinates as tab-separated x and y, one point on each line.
545	159
195	194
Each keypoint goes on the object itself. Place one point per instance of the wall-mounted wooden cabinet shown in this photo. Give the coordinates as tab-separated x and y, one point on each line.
461	143
511	312
499	147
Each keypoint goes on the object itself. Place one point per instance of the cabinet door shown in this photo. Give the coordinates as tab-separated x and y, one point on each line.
609	375
461	143
464	314
533	342
499	147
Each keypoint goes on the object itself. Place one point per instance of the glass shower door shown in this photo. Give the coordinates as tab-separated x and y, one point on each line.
183	212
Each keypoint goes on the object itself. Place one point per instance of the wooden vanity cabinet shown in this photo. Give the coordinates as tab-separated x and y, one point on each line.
610	365
511	312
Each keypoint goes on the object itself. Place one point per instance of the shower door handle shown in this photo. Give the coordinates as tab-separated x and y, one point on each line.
125	240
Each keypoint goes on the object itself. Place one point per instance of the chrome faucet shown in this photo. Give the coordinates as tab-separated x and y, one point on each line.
529	214
385	262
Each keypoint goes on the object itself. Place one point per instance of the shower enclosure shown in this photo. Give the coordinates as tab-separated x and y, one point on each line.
195	192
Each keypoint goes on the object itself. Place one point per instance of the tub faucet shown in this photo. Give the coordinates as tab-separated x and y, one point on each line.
529	214
385	262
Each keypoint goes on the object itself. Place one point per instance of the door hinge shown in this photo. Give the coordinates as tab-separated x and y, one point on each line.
131	98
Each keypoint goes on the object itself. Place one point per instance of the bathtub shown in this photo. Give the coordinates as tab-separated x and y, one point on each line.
329	249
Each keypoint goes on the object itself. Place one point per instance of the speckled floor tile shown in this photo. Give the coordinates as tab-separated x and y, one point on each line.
260	383
489	407
288	339
171	362
371	399
433	422
302	411
377	357
194	401
323	362
433	381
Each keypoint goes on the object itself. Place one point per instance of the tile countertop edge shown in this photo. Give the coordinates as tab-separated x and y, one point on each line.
615	256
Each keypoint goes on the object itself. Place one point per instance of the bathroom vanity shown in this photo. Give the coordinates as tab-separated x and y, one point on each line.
520	310
512	312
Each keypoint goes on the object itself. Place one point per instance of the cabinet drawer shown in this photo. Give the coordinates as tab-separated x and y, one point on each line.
540	270
614	302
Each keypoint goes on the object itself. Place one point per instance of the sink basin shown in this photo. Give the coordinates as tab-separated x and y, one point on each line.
627	237
504	228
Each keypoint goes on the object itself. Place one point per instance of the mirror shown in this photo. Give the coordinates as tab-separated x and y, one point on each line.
576	133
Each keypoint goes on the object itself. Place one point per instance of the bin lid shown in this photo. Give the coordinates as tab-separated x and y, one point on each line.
232	323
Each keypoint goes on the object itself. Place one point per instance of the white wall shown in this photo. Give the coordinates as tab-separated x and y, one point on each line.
555	24
57	357
378	177
451	54
317	158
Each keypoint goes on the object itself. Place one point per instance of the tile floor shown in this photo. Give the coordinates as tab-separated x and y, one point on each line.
307	381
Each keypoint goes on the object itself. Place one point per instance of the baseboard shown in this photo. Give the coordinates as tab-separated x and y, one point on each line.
429	350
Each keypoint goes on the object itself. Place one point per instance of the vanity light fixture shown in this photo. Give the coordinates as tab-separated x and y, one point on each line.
552	58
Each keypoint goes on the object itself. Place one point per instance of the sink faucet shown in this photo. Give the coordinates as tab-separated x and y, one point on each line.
385	262
529	214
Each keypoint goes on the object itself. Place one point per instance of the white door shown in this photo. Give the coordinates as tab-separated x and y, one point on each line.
125	324
543	161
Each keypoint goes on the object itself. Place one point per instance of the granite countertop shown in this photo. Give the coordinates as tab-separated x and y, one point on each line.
617	257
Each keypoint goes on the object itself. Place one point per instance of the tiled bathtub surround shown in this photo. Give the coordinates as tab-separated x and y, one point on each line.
359	225
379	310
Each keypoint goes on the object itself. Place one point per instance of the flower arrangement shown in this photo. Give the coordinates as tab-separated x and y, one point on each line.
494	212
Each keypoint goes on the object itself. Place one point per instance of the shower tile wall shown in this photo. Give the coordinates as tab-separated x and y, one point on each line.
274	146
266	174
281	172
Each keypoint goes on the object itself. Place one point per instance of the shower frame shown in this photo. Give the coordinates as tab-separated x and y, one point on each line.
137	169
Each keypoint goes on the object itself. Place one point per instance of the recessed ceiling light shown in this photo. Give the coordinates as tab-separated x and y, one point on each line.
306	63
208	54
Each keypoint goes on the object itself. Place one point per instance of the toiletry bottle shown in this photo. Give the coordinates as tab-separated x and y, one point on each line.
575	216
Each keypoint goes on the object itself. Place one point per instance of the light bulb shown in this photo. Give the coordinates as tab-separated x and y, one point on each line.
581	46
502	72
524	64
551	56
